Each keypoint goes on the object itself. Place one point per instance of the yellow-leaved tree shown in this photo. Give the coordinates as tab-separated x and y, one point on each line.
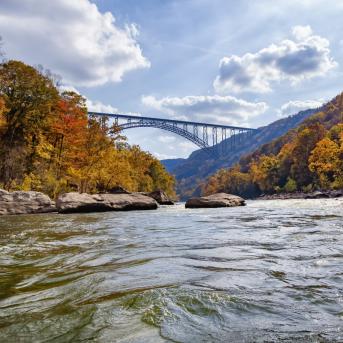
49	143
326	159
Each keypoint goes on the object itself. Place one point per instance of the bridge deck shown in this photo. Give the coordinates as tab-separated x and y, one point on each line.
126	116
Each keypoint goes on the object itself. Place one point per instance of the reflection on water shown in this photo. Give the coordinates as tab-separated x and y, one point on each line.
267	272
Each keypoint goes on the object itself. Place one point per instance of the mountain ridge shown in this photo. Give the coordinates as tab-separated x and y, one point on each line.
202	163
306	158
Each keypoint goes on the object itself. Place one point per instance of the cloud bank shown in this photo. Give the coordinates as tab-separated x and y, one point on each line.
293	107
304	57
72	38
214	109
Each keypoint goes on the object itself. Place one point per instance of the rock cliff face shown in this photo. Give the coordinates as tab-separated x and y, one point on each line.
215	200
21	202
76	202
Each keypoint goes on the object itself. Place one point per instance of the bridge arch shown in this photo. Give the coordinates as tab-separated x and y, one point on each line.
201	134
164	126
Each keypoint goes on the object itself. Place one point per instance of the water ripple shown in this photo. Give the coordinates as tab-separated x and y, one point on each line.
267	272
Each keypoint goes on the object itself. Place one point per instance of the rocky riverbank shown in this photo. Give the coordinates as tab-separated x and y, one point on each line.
303	195
21	202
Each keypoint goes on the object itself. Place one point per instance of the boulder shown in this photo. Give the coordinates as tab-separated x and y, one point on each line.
21	202
337	193
316	195
215	200
78	203
161	197
118	190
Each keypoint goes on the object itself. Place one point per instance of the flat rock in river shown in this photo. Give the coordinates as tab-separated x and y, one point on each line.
77	203
316	195
21	202
215	200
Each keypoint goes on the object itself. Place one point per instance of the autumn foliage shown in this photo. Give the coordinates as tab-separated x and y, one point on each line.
48	143
305	159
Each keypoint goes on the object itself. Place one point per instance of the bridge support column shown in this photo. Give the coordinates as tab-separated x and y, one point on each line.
195	130
205	134
214	136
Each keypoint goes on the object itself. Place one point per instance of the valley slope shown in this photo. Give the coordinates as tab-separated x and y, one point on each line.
192	171
306	158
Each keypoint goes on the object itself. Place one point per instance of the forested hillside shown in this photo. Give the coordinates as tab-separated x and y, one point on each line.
48	143
172	163
304	159
192	172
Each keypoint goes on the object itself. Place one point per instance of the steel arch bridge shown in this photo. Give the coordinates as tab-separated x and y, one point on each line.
203	135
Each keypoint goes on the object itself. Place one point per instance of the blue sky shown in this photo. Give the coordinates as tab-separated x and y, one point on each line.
239	62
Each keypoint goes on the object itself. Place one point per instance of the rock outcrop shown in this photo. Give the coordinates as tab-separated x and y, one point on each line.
302	195
78	203
161	197
21	202
215	200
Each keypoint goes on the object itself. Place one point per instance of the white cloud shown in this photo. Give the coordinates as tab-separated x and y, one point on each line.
163	156
212	108
92	105
98	106
302	32
293	107
305	57
186	145
72	38
166	139
183	148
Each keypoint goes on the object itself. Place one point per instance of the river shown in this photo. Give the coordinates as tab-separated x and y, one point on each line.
271	271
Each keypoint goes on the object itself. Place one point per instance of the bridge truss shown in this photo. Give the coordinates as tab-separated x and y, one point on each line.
203	135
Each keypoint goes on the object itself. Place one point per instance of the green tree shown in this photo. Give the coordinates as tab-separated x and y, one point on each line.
290	186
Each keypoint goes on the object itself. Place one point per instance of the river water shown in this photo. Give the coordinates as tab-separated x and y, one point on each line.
271	271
